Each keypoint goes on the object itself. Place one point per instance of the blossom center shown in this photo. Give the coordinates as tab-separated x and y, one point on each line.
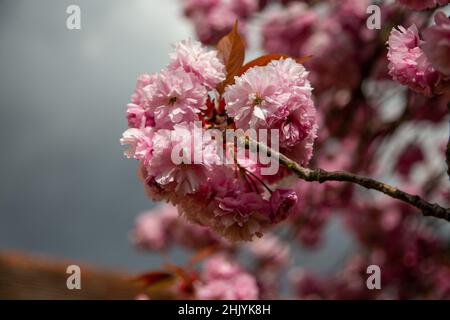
257	100
172	100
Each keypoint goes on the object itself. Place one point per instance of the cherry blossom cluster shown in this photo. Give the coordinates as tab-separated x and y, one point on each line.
356	72
234	198
300	29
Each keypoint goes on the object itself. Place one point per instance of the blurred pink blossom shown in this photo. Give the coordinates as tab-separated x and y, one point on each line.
270	250
408	63
175	96
411	155
226	280
204	64
161	227
140	143
422	4
437	43
137	113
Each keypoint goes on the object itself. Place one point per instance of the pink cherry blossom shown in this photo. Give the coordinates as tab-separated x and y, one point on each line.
219	266
161	227
241	214
295	120
137	113
226	280
175	96
204	64
213	19
437	43
303	151
232	208
330	37
292	75
151	228
281	201
140	143
287	30
277	96
192	6
293	112
223	210
300	30
244	8
408	63
252	97
212	25
186	176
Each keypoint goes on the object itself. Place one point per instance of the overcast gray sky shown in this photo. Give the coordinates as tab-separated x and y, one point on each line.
65	187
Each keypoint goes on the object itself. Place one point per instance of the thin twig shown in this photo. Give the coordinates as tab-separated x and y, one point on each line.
320	175
259	180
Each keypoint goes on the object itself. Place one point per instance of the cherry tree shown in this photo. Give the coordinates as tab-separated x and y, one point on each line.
358	114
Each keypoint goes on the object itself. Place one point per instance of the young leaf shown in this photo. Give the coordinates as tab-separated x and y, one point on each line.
261	61
265	60
232	51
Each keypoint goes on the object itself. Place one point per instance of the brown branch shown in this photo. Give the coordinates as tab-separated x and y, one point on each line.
320	175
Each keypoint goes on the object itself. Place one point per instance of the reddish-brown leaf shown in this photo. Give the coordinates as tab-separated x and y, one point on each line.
187	285
265	60
232	51
261	61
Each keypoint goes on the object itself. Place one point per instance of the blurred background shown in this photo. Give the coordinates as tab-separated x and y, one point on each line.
66	189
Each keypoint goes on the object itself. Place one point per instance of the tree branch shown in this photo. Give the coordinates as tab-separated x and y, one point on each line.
320	175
